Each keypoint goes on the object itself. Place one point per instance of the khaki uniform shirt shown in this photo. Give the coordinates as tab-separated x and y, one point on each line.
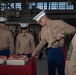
6	40
49	32
39	37
25	44
70	68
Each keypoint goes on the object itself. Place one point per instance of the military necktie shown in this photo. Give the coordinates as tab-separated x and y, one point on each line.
24	36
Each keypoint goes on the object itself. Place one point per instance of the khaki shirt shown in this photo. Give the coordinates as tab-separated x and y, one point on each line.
39	36
25	44
70	68
6	40
49	32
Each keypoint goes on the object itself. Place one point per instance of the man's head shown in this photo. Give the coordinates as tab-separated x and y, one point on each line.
41	18
24	27
2	22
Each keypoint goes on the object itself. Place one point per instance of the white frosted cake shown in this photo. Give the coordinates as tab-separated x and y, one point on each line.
3	59
17	60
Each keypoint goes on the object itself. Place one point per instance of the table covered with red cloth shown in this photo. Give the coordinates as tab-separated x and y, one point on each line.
28	69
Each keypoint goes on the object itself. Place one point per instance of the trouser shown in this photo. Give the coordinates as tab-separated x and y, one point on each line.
28	55
5	52
67	68
70	66
56	59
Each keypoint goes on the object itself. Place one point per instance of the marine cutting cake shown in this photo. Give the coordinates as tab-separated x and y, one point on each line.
17	60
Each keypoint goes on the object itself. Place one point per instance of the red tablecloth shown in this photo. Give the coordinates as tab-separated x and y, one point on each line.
28	69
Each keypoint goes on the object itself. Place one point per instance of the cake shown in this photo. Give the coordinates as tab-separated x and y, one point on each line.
17	60
3	59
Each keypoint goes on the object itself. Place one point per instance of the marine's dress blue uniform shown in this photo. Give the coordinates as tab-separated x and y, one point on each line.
55	58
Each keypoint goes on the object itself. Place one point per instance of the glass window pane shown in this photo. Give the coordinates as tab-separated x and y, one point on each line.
12	5
31	5
49	5
69	6
45	5
40	5
2	6
54	5
18	6
61	5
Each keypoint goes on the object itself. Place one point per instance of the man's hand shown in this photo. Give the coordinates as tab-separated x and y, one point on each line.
59	36
34	53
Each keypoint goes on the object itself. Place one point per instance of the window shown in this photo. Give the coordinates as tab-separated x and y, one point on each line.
31	5
40	5
2	6
45	5
10	6
52	6
18	6
62	5
69	7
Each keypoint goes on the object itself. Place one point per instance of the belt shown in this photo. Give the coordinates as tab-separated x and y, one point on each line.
4	48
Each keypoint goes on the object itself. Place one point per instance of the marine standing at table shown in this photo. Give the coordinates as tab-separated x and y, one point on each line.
25	43
6	39
53	32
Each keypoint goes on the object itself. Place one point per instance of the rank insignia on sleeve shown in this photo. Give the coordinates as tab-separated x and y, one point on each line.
69	53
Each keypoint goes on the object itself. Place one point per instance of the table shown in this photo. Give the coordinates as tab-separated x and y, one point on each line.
28	69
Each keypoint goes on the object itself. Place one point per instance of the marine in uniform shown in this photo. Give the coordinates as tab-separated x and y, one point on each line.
6	39
53	32
70	67
25	43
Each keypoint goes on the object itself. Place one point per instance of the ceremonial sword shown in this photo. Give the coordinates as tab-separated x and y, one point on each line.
47	47
44	49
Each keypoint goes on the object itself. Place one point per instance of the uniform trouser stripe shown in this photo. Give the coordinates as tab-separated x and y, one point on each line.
64	52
